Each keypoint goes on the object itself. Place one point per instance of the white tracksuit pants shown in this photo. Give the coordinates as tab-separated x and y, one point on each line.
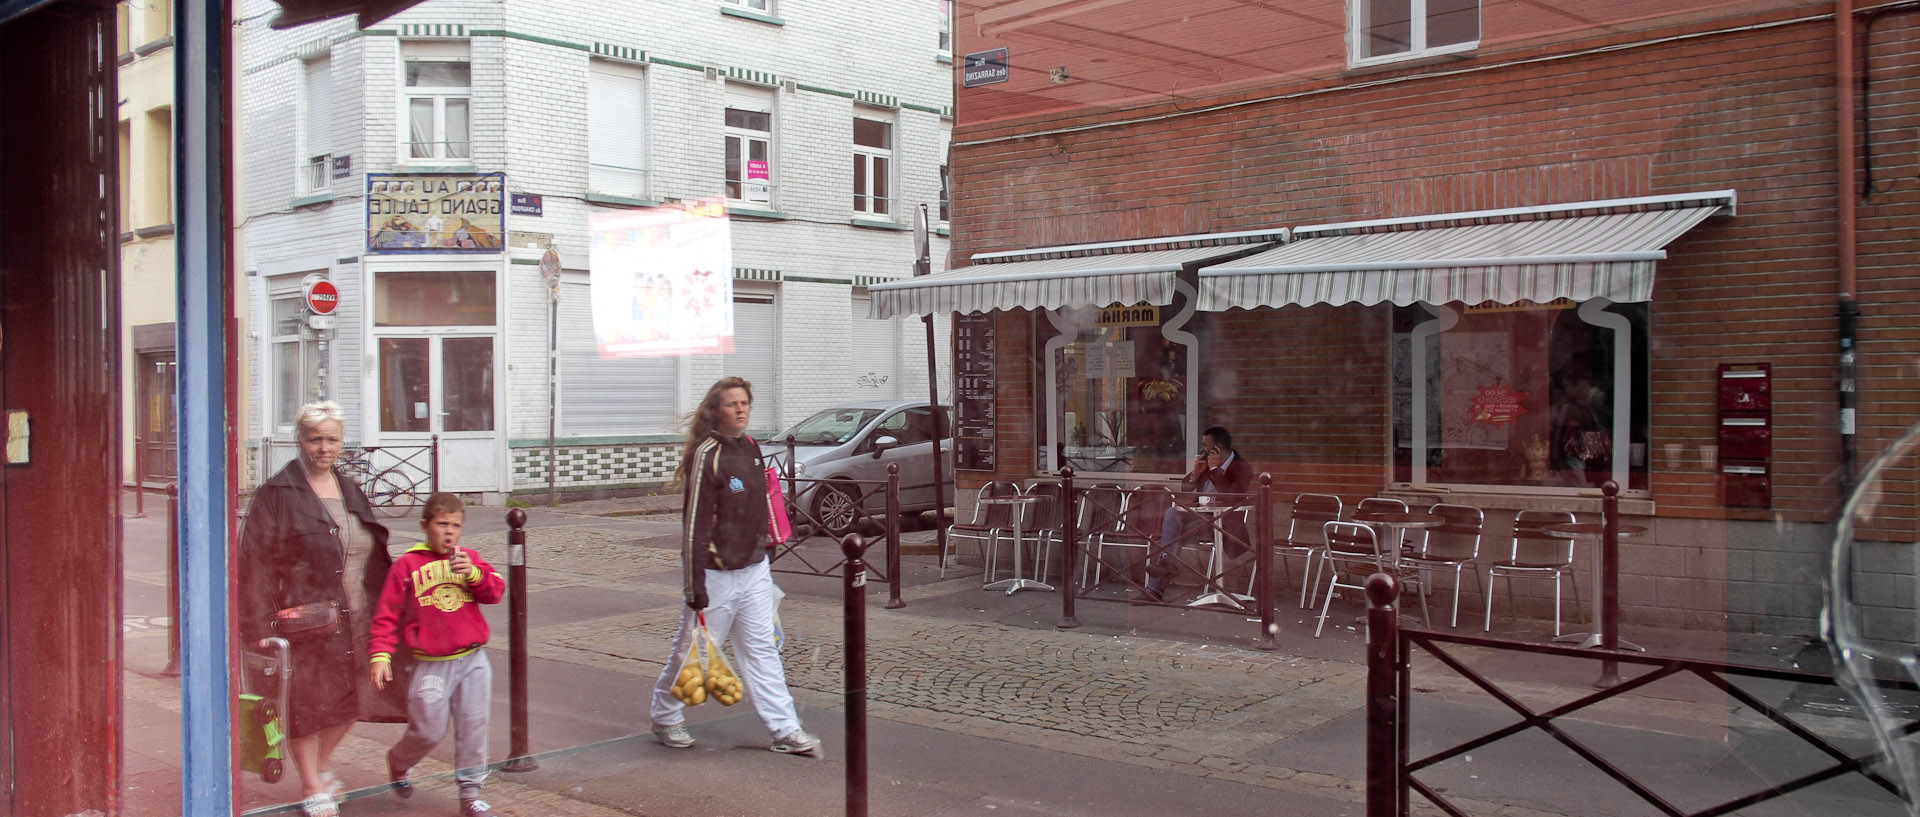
740	610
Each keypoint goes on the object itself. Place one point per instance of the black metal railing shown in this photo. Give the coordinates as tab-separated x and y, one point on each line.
814	547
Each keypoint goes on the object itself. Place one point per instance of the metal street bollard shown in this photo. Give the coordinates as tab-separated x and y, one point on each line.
1070	553
855	618
173	581
519	758
1263	563
139	479
893	537
1609	580
1383	706
433	468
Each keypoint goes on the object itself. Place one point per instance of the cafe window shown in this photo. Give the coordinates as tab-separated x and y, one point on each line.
1119	402
1528	396
434	298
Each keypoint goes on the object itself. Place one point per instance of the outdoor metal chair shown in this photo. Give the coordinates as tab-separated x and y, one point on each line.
1535	553
1305	539
1101	507
1139	523
1452	547
1353	553
1381	504
989	524
1043	525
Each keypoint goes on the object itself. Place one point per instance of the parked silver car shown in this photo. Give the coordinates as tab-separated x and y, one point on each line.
858	441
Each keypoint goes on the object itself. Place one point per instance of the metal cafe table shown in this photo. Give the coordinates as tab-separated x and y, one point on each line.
1217	559
1397	524
1594	533
1020	503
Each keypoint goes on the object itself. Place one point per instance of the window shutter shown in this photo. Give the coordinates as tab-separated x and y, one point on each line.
755	356
609	396
876	354
319	107
616	132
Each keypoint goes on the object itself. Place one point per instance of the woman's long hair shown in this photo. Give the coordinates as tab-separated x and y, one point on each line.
704	419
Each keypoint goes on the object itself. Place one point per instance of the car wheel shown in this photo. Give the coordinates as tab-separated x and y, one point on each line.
837	507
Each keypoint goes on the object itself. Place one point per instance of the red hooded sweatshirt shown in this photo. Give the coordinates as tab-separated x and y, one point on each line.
432	609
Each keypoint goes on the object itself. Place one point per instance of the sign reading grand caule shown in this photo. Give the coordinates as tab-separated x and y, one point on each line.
661	280
436	213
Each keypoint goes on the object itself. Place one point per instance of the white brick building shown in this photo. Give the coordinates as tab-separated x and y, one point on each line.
848	106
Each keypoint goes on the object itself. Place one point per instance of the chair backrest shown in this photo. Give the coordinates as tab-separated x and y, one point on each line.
1351	539
1045	514
999	516
1310	512
1146	508
1534	547
1380	504
1100	508
1458	538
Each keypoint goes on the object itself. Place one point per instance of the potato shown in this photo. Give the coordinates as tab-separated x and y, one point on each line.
699	694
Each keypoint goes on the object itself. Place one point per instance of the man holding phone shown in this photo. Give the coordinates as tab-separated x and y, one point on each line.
1217	470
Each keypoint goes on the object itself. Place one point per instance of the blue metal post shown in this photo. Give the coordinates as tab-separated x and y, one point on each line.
201	87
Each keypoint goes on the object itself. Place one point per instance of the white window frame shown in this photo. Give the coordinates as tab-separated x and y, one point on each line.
306	351
762	6
450	51
865	157
1358	27
946	28
757	100
608	171
314	160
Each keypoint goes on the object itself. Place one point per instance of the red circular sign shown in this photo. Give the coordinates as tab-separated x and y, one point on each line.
322	297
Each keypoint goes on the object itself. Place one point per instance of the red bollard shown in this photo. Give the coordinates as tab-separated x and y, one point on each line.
1609	580
1383	705
1263	563
893	537
519	758
1069	554
855	618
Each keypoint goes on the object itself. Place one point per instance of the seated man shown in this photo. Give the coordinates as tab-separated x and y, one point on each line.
1217	470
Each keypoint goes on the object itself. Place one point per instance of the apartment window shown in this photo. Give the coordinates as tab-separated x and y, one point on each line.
756	5
439	80
316	125
945	184
749	151
296	358
872	166
1386	30
616	129
946	26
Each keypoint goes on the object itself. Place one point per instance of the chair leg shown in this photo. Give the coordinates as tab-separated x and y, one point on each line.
1309	590
1556	605
1487	621
1332	584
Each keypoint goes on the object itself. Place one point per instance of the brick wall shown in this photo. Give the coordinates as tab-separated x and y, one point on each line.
1748	110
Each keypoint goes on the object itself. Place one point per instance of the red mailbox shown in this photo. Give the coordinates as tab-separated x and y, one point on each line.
1746	434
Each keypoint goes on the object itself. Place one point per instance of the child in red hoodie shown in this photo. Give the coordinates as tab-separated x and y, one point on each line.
429	601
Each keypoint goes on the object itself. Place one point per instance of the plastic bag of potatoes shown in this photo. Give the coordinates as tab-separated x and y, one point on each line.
722	684
689	686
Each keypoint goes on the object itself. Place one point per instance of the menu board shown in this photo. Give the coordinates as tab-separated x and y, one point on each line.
973	380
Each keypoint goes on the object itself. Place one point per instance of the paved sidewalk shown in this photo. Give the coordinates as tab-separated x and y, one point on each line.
979	702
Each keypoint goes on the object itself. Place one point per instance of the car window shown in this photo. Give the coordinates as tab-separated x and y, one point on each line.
896	425
830	427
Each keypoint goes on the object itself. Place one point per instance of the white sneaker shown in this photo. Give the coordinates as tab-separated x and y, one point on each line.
796	742
675	736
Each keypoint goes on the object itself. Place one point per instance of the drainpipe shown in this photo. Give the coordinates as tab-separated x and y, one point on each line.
1844	225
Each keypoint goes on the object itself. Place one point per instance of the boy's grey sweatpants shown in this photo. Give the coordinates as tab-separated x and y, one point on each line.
462	687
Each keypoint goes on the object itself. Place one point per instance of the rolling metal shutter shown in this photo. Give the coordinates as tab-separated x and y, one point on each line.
609	396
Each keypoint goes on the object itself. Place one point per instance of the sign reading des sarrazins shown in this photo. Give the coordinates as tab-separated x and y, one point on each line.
436	212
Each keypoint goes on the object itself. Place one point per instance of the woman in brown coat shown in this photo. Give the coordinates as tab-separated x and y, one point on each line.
310	543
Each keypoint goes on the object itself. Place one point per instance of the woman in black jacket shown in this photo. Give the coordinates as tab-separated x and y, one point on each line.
311	544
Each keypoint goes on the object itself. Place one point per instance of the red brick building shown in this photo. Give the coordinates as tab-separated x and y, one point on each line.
1602	203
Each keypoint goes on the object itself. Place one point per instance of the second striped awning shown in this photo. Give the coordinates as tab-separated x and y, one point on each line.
1575	251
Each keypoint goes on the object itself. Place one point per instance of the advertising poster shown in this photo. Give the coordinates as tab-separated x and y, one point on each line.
436	213
759	187
662	281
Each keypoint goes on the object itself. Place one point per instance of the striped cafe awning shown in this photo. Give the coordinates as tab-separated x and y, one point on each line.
1124	272
1580	251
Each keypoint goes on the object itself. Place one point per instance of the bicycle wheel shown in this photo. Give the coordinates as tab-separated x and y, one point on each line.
391	495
